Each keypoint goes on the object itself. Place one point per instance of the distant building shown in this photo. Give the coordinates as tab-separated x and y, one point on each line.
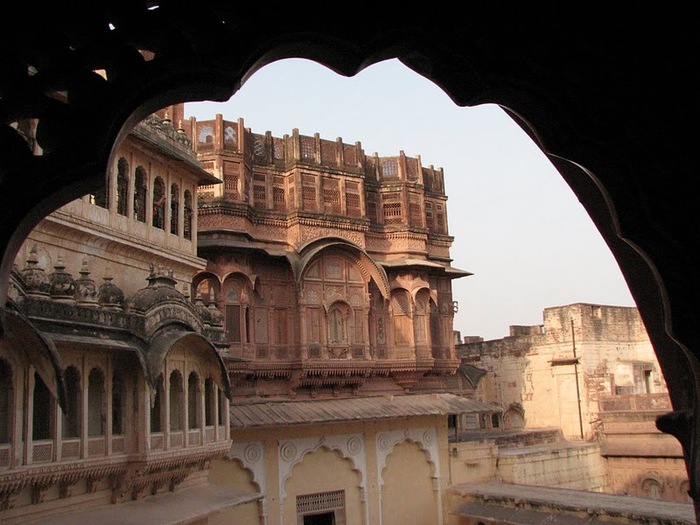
590	371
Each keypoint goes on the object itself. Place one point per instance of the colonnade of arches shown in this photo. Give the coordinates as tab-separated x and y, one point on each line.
134	189
102	410
337	311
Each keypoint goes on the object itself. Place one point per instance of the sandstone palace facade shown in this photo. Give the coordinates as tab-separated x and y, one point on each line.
332	267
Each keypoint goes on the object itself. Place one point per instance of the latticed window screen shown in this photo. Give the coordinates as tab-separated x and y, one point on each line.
414	213
309	197
206	191
331	199
328	152
205	134
390	169
259	146
277	148
372	211
392	212
231	183
259	196
350	155
321	501
230	136
278	198
308	148
353	204
412	168
440	220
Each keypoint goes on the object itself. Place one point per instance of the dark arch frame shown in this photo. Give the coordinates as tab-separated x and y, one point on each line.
602	95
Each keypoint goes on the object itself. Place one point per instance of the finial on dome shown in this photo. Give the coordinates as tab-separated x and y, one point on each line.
62	284
110	296
36	279
86	291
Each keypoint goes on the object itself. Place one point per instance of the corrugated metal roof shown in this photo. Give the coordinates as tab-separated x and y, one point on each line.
271	413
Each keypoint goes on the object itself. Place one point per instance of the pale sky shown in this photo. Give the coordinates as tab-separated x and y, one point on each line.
516	225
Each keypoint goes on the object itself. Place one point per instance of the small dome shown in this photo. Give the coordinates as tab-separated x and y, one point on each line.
61	283
86	291
202	309
160	289
35	278
110	296
216	316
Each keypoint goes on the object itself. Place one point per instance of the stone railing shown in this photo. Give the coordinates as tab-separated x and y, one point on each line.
659	402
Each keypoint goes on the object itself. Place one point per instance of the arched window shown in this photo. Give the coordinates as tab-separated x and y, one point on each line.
122	186
156	408
41	410
174	208
71	420
651	488
96	403
118	392
221	406
209	402
140	192
208	289
187	224
6	400
236	309
177	399
435	332
338	315
420	317
401	312
159	203
193	403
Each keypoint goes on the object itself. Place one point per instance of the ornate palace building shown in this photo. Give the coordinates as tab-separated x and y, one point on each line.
112	388
333	273
332	267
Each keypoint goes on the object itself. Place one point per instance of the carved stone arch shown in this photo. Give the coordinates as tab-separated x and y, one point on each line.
349	446
425	438
206	275
251	456
171	336
514	416
22	338
250	281
400	291
76	386
334	299
341	333
432	295
369	268
652	485
96	390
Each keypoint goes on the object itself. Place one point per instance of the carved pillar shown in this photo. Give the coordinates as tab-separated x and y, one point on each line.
27	416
